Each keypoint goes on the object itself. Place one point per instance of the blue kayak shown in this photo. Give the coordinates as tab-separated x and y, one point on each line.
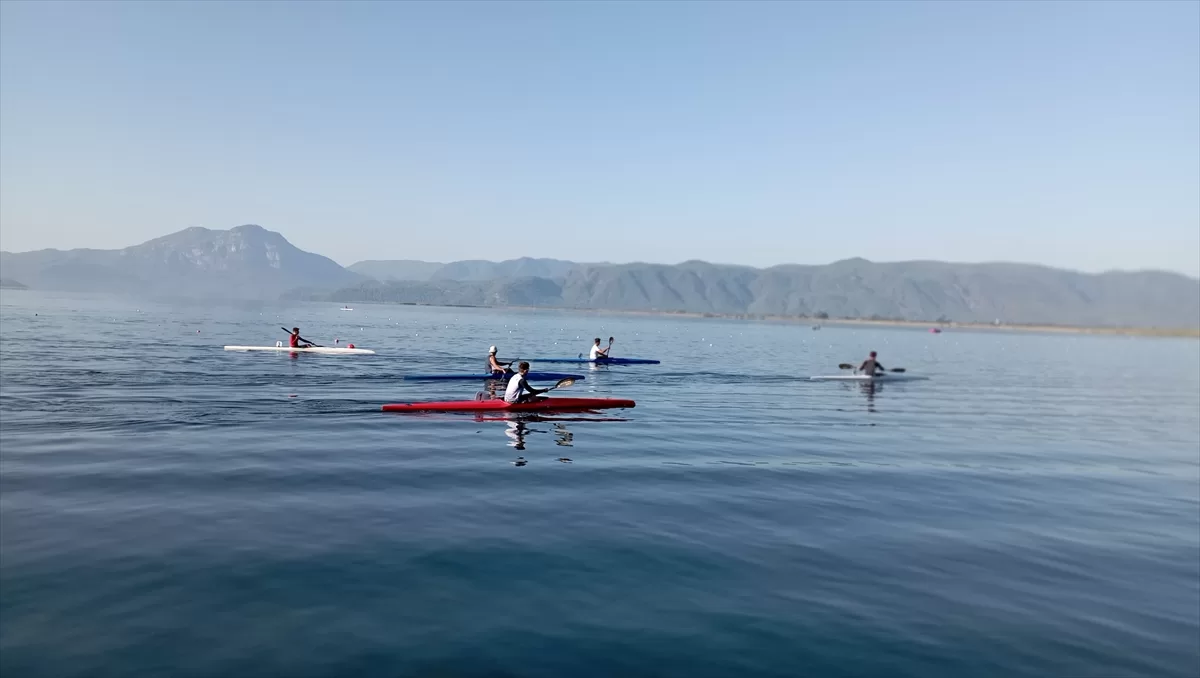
532	376
599	361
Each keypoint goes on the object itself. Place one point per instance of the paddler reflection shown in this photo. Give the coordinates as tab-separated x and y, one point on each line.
869	389
518	429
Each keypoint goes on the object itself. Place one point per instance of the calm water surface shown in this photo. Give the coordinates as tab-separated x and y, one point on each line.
167	508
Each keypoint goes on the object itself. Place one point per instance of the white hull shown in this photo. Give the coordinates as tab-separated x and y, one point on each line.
862	378
313	349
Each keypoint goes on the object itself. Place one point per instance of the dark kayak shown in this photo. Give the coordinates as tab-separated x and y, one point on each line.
598	361
498	405
532	376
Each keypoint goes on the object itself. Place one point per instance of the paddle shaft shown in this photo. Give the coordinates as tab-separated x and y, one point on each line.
848	366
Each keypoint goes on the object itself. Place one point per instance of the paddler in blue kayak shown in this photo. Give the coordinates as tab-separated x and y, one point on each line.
871	366
519	390
496	367
598	353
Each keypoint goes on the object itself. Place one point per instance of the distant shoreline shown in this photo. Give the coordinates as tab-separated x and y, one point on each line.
1188	333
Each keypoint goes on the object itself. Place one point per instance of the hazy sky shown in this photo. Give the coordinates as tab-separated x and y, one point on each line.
1065	133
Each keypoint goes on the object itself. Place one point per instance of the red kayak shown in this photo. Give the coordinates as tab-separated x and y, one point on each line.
498	405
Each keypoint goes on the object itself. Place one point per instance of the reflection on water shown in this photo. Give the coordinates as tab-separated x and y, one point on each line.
869	389
563	437
517	429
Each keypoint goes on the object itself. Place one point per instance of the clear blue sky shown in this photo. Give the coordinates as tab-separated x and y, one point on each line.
1065	133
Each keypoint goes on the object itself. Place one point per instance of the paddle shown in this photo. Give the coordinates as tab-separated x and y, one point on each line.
848	366
562	383
301	338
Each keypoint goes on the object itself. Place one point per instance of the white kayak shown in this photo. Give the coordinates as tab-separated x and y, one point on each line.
866	378
312	349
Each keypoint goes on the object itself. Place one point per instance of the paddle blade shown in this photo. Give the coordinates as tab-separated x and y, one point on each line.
845	366
564	383
898	369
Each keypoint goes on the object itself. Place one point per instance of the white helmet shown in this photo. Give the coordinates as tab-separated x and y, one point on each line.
492	349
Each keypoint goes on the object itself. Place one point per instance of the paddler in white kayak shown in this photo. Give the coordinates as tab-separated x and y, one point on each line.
496	367
295	341
871	366
519	390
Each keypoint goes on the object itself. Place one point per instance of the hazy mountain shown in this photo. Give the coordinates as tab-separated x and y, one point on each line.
247	262
10	284
508	292
854	288
524	267
399	269
476	270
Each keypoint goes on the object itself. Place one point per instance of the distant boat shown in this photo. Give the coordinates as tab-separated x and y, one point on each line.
935	330
345	308
816	327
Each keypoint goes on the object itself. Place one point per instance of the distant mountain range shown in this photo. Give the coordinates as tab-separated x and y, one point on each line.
471	270
249	262
10	284
854	288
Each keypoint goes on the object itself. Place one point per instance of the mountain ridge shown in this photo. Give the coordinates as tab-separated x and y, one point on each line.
250	262
927	291
244	262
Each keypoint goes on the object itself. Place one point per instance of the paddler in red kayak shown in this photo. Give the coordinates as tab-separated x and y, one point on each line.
295	341
871	366
519	390
496	367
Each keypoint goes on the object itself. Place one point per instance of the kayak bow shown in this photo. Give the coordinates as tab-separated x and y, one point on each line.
498	405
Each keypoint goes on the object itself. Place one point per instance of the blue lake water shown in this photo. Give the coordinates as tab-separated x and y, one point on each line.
168	508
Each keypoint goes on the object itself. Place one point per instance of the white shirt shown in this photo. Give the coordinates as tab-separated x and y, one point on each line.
515	388
596	353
